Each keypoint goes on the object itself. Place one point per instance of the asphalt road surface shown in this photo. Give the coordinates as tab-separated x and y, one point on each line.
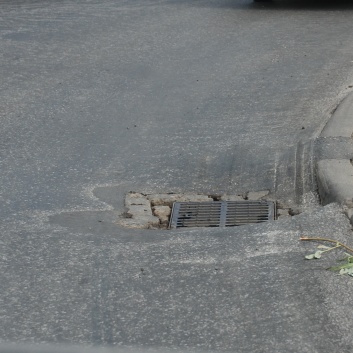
98	98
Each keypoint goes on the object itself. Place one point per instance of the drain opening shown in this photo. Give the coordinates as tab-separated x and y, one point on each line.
154	211
220	213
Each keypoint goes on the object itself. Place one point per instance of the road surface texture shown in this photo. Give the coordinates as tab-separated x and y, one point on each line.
102	97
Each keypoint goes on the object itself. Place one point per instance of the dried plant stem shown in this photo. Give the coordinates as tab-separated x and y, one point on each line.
330	241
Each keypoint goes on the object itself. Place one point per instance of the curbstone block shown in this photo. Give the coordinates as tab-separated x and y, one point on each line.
341	122
335	180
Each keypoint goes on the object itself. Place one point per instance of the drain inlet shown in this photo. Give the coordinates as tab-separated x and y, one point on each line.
220	213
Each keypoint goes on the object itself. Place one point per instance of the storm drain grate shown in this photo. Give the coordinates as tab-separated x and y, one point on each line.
220	213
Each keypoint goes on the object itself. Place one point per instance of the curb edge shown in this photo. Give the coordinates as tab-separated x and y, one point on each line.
335	176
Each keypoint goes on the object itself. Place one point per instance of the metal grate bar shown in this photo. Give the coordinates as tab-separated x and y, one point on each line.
223	216
220	213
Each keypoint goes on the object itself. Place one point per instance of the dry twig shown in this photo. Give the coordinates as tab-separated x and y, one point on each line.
330	241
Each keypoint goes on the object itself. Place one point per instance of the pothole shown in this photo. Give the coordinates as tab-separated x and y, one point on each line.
153	211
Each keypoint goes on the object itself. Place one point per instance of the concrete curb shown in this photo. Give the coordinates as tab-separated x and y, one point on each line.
335	180
341	122
335	176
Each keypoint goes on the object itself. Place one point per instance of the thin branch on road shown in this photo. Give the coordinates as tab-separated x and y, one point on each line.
328	240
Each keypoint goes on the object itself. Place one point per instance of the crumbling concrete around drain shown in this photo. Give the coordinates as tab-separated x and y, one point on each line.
139	213
169	199
163	213
152	211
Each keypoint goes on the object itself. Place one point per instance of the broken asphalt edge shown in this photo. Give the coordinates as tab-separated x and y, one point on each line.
335	176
